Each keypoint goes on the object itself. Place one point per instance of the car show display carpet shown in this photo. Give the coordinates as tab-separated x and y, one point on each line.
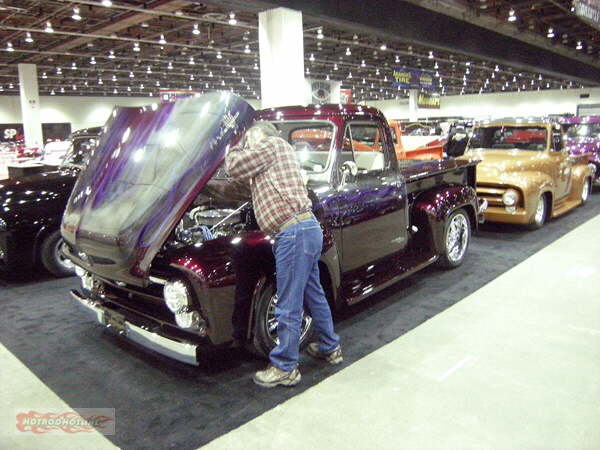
160	403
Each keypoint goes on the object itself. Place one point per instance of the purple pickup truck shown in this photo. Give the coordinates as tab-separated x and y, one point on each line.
583	136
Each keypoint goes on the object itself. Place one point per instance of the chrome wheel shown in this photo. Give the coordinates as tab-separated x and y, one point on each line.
65	263
457	237
585	191
271	322
540	212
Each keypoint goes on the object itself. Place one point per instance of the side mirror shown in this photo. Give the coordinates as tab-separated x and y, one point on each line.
348	168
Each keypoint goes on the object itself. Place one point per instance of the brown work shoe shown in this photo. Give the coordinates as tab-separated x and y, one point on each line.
333	357
272	376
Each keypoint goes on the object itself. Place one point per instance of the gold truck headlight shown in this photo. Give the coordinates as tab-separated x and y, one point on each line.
510	197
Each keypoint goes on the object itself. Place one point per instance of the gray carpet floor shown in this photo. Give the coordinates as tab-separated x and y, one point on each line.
164	404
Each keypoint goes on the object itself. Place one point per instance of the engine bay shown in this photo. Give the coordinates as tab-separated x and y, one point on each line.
223	208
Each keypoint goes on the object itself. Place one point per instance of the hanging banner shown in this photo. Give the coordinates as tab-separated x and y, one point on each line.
427	101
588	10
413	79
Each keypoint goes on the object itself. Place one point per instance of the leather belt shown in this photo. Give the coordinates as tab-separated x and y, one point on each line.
294	220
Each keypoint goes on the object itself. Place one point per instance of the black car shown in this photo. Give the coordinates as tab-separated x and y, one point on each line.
31	209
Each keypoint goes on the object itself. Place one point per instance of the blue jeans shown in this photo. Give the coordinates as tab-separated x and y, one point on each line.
297	250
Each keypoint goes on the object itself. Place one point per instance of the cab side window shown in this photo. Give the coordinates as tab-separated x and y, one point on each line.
557	141
365	144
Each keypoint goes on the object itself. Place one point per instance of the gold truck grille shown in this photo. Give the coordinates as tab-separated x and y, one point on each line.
493	195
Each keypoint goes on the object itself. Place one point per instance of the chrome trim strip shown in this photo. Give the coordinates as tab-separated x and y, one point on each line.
157	280
172	349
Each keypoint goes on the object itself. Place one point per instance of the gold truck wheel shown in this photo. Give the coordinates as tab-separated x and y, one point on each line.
541	213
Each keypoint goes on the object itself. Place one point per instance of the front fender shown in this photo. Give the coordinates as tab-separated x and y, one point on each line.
531	184
433	207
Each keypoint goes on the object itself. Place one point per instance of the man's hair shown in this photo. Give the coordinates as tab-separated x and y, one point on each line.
267	128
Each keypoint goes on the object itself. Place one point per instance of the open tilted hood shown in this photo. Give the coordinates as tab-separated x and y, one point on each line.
150	164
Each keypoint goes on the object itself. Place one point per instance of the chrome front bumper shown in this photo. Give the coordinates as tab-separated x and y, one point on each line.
180	351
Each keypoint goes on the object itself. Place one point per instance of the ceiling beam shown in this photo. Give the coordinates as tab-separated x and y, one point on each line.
395	20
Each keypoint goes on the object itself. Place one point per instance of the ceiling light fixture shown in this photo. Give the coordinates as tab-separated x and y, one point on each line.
49	28
196	29
76	15
550	34
170	66
131	75
247	49
149	70
579	45
107	3
219	55
9	47
162	39
28	37
348	52
383	47
232	20
312	57
136	47
192	62
320	33
74	66
430	54
511	15
111	54
92	61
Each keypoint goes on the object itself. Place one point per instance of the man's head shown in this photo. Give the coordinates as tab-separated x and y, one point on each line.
258	132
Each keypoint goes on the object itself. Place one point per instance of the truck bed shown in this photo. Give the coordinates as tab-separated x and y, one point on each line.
421	175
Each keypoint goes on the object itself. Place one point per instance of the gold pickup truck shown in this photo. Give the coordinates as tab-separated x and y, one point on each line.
526	174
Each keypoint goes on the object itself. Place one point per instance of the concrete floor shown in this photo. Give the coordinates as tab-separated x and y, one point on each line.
514	365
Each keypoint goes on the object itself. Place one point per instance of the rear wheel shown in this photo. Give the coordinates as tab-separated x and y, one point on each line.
541	213
51	258
265	323
456	239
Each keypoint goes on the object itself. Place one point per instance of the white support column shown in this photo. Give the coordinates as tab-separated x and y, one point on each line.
413	105
30	105
281	43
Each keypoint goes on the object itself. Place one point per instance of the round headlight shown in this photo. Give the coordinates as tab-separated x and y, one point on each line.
510	197
176	295
190	319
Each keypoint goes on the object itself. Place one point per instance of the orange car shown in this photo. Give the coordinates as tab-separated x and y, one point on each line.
429	151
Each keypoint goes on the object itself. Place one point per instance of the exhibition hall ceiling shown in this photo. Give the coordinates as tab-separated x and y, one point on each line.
133	47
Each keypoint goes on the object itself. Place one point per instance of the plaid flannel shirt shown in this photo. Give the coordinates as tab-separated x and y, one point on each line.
278	191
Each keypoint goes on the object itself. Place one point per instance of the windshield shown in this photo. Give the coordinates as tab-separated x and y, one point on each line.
149	165
584	130
312	141
79	151
508	137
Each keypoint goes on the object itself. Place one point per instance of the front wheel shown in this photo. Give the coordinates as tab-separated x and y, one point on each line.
52	259
541	213
265	323
456	239
585	190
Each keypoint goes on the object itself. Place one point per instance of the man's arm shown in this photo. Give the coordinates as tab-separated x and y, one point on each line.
247	163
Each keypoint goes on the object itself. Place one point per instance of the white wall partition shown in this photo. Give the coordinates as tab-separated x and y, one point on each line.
80	112
498	105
